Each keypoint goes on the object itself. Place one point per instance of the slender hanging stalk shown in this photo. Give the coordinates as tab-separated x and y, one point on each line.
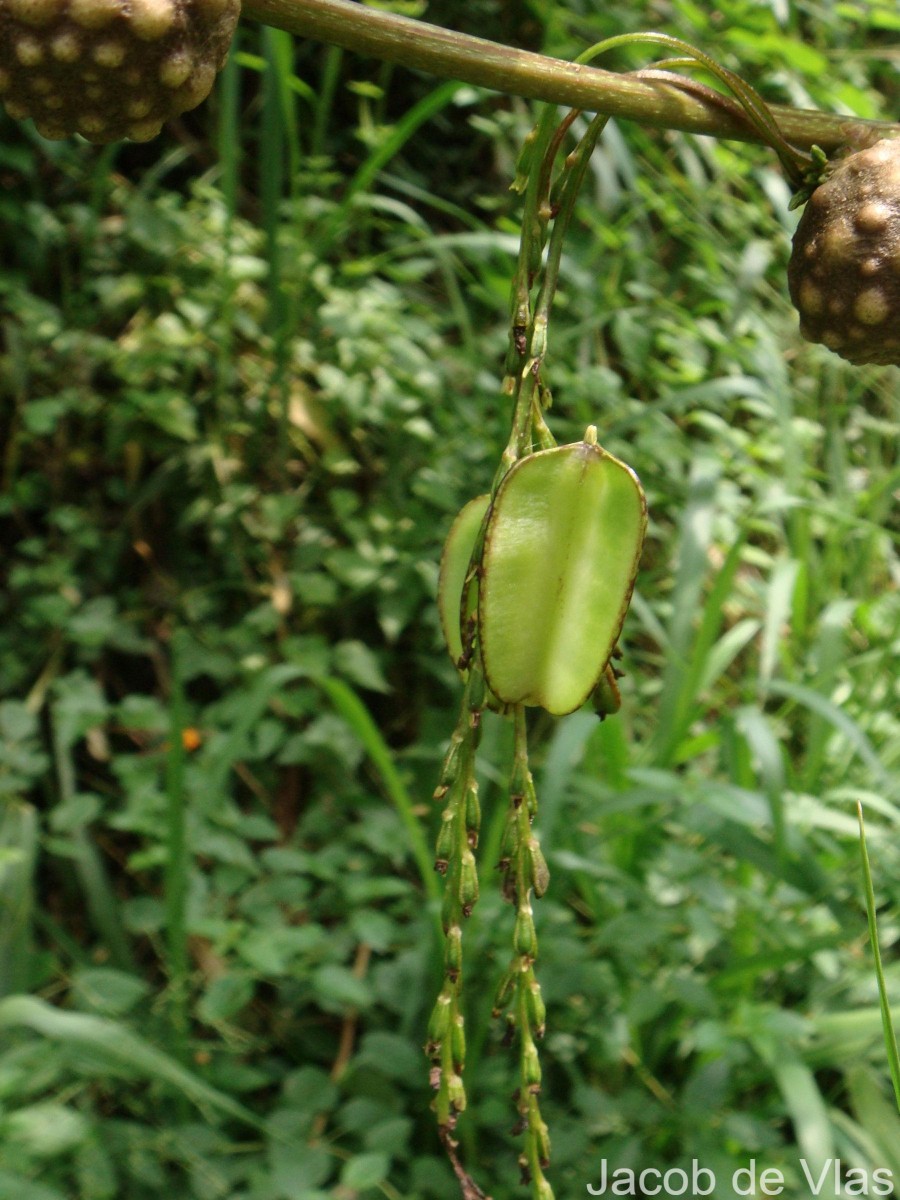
659	103
522	863
529	340
455	860
548	208
525	874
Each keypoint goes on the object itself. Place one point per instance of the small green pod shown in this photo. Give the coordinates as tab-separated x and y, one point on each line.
605	697
560	557
455	561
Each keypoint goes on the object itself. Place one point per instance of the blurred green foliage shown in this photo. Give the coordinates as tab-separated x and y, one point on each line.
239	407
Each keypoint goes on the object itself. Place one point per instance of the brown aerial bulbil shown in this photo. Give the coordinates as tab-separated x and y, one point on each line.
110	69
844	273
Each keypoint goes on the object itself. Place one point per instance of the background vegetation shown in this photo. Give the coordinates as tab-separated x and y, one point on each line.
249	373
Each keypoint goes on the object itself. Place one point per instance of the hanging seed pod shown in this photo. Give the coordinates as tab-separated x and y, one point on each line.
605	697
844	272
560	557
455	560
110	69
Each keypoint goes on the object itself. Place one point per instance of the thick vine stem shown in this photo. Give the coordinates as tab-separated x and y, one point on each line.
451	55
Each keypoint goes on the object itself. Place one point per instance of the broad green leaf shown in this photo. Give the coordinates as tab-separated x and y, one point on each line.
225	997
47	1129
356	662
365	1171
338	988
388	1053
14	1184
107	991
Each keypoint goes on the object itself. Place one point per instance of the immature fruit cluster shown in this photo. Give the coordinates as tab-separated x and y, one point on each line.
844	273
110	69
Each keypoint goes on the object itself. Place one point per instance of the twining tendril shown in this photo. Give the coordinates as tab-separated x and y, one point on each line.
796	163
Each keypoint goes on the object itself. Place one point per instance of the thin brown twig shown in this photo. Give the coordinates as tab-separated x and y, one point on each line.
470	1189
351	1019
347	1036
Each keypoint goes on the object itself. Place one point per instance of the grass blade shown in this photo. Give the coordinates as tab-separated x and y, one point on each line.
99	894
890	1040
779	599
400	134
876	1117
178	864
115	1047
838	719
355	713
331	67
229	132
18	855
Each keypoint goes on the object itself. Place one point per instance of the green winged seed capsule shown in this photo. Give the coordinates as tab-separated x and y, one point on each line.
454	568
560	557
605	697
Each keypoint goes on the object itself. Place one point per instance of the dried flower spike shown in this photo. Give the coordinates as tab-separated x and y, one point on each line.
110	69
844	273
